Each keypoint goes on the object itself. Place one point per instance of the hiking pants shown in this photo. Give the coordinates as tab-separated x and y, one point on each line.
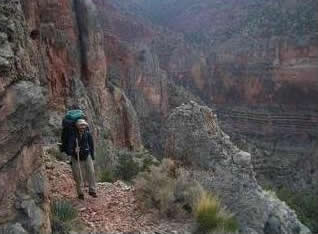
88	174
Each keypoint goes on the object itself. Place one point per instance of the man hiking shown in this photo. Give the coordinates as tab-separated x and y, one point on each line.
80	147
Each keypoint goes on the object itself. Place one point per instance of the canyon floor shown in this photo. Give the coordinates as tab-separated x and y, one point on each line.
115	210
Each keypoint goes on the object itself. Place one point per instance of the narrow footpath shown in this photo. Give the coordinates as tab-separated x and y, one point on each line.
115	210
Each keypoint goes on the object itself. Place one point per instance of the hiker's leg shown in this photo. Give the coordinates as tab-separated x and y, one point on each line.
84	174
77	176
91	174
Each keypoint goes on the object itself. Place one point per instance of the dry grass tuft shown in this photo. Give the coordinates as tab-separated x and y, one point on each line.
210	215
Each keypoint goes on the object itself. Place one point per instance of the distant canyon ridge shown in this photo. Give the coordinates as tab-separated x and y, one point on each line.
254	62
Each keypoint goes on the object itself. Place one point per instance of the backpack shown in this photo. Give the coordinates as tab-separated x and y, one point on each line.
68	126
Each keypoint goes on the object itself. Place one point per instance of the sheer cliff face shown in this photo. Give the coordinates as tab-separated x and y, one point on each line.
69	44
23	193
256	62
52	56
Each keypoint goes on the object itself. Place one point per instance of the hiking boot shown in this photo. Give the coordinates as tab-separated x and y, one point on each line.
93	194
81	196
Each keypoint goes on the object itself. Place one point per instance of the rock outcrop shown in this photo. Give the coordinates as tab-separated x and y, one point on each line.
24	205
193	136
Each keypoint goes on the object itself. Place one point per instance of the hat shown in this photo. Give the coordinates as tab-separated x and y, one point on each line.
81	122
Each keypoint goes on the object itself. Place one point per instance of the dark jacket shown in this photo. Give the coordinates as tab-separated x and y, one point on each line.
85	142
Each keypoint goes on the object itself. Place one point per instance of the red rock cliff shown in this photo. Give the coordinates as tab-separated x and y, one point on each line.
52	56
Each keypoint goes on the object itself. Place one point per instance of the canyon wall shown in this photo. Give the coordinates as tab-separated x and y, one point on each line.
273	107
69	44
256	64
122	69
23	189
52	57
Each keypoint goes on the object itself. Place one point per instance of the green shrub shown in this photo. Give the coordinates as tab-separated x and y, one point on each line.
155	188
112	164
187	190
210	216
230	224
168	189
129	164
127	168
304	203
147	163
105	157
63	210
106	176
206	212
63	213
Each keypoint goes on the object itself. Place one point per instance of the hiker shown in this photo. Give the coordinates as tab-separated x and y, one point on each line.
80	147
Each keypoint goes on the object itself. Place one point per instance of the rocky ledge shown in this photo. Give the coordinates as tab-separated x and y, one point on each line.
193	136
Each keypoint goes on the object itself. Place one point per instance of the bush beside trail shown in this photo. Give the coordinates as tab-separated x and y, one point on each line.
175	194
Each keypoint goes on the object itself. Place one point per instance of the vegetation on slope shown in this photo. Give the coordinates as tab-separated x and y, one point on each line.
267	18
251	19
304	203
172	191
63	216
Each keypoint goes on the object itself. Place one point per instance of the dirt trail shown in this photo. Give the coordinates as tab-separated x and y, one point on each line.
114	210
